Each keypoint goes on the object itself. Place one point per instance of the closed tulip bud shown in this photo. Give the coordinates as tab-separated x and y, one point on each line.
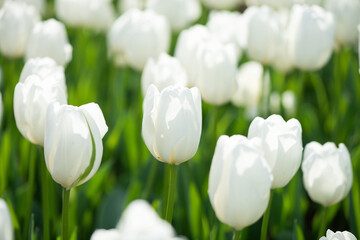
31	100
137	36
263	33
171	124
345	235
249	85
73	142
49	39
17	20
281	145
327	172
6	228
180	14
186	45
221	5
216	66
310	53
347	17
239	181
162	73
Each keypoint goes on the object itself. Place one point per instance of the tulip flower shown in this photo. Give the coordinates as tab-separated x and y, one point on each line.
137	36
187	42
31	100
162	73
347	17
327	172
263	33
221	5
6	228
281	146
310	53
345	235
49	39
239	181
180	14
17	20
171	125
216	66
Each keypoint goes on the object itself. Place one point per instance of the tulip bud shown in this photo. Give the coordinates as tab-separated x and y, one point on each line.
73	142
162	73
31	100
137	36
281	145
345	235
49	39
186	45
310	53
221	5
6	228
347	17
16	23
239	181
263	33
327	172
171	125
216	66
180	14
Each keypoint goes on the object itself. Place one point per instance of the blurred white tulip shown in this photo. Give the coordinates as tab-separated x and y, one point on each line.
124	5
222	5
249	85
327	172
347	17
185	50
288	100
31	100
17	20
275	102
73	142
49	39
179	13
137	36
171	126
263	33
102	234
39	5
345	235
163	72
239	181
311	37
216	66
6	227
281	145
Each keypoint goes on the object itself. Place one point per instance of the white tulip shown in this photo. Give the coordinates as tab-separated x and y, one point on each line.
180	13
327	172
186	45
288	100
239	181
281	146
222	5
137	36
311	37
162	73
347	17
49	39
6	227
17	20
102	234
39	5
171	125
216	66
345	235
73	142
31	100
249	79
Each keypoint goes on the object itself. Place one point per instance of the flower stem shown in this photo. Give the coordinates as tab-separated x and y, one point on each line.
323	222
265	221
237	235
45	198
170	196
65	214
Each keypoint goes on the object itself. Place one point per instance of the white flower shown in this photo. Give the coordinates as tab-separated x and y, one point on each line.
39	5
345	235
6	227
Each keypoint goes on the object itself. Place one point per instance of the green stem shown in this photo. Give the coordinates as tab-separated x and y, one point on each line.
65	214
45	197
323	222
265	221
170	198
237	235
